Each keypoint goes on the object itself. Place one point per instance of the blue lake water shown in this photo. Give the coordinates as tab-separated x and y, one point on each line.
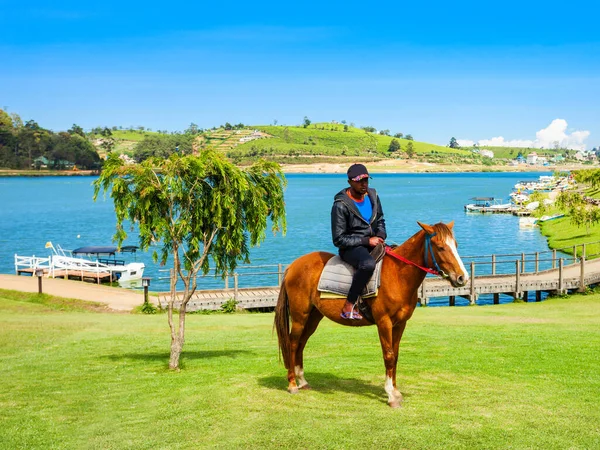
60	209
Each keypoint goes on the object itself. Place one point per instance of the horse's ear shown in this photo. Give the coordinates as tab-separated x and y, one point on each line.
450	225
428	228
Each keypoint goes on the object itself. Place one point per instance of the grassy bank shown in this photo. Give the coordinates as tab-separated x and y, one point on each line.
519	375
561	233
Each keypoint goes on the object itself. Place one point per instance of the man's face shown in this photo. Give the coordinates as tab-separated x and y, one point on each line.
359	186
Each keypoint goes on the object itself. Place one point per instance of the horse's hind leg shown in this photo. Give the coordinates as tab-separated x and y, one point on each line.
310	327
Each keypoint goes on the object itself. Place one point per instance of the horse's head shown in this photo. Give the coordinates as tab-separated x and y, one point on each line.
441	253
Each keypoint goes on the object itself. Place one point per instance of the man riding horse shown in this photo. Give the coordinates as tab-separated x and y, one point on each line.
357	226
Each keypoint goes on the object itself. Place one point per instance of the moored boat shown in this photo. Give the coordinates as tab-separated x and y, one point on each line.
489	205
99	264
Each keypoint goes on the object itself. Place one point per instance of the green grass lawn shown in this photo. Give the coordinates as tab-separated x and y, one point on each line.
523	375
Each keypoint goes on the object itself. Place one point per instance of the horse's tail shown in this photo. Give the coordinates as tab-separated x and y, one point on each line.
282	323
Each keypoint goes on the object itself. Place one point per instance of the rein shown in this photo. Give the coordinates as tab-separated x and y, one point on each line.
428	252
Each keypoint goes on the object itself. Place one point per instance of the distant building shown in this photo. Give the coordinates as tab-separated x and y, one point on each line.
40	162
126	159
532	158
488	153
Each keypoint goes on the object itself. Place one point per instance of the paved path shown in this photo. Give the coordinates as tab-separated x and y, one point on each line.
115	298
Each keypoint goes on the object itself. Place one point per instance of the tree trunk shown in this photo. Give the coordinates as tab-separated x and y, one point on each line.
176	347
177	335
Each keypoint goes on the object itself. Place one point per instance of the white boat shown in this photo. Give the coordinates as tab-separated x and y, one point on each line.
125	273
489	204
100	262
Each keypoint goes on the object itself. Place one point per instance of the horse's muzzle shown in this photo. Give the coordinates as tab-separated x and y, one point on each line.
458	281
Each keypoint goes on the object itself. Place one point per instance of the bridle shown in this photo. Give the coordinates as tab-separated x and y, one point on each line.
428	254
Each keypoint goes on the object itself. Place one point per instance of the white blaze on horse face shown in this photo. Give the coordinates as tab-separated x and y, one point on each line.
451	243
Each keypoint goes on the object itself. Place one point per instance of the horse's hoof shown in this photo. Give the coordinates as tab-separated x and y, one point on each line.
395	404
293	390
306	387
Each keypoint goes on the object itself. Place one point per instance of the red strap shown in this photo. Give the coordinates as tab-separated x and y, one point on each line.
389	251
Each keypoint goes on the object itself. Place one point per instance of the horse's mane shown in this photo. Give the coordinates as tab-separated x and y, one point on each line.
443	231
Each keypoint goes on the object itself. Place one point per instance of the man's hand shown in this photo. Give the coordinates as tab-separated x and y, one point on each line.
374	240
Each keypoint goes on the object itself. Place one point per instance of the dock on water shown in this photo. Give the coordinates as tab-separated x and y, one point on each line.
71	274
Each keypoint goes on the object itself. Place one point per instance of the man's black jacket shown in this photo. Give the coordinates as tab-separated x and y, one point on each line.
348	228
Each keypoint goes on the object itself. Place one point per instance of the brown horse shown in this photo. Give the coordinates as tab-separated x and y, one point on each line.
402	272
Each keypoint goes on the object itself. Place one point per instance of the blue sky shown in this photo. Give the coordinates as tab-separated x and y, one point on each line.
518	72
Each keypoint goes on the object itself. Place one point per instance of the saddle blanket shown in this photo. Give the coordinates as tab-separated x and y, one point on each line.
336	279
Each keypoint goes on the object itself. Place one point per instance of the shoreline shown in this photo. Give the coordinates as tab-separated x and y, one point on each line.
382	166
410	166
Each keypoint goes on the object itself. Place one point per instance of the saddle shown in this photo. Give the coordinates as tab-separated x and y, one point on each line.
336	277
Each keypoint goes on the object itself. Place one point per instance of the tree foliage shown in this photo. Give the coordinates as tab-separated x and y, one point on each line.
453	143
163	146
410	150
579	211
394	145
21	144
200	210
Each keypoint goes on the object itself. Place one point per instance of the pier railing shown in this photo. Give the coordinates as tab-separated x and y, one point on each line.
495	264
514	274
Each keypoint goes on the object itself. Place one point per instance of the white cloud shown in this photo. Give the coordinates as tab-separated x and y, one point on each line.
554	134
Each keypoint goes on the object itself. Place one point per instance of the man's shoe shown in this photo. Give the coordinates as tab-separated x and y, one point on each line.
353	314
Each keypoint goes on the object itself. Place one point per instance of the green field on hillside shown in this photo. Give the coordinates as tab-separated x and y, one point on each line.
333	136
519	375
513	152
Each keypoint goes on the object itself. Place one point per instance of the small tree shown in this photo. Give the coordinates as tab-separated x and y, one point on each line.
394	146
408	137
453	143
306	122
410	150
197	208
192	129
76	129
399	135
579	211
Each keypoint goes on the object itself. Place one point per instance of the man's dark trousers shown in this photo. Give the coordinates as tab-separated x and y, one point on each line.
363	262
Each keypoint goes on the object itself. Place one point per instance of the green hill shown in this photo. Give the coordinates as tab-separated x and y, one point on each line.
325	142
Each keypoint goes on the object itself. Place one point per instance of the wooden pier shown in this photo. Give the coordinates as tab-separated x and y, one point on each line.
516	283
81	275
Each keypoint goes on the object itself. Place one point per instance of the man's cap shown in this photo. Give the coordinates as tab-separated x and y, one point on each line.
357	172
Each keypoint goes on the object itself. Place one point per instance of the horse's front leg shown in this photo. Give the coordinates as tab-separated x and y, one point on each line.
389	358
397	332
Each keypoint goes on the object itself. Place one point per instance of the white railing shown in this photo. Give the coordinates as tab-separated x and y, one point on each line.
77	265
32	262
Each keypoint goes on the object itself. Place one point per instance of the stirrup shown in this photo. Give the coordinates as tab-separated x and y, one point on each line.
352	312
